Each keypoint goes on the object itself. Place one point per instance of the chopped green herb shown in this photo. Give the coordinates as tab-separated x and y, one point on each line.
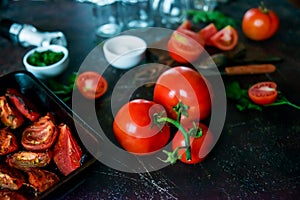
44	58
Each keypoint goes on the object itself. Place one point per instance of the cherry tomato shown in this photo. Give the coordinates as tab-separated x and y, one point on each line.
200	145
134	129
183	84
207	32
260	23
185	46
263	93
91	84
225	39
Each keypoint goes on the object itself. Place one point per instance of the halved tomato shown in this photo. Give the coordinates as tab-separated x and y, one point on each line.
263	93
91	84
225	39
185	45
207	32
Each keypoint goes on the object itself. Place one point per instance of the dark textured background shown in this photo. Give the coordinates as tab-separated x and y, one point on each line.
257	155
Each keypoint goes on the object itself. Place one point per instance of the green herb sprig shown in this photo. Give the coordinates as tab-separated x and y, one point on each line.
218	18
243	102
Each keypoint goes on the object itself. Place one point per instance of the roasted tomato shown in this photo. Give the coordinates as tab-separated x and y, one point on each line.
263	93
67	153
41	180
11	178
184	45
260	23
91	84
200	143
135	130
25	160
22	104
6	194
225	39
8	142
185	85
207	32
10	116
41	135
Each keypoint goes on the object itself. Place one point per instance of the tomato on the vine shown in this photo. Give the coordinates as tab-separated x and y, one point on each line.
135	130
185	45
91	84
225	39
263	93
185	85
200	145
260	23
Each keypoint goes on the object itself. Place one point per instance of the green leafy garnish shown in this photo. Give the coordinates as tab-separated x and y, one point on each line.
44	58
218	18
240	97
63	91
243	102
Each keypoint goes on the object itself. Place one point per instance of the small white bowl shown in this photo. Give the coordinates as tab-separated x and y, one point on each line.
49	71
124	51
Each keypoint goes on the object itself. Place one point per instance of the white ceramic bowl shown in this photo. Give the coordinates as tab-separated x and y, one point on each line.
124	51
49	71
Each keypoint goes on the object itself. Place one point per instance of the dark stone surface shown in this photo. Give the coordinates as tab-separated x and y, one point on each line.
257	155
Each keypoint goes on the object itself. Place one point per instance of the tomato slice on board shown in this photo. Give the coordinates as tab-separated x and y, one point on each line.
91	84
185	45
207	32
263	93
225	39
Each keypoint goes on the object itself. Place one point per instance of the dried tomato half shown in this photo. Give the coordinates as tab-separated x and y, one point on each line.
25	160
11	178
67	153
10	116
25	107
42	180
41	135
8	142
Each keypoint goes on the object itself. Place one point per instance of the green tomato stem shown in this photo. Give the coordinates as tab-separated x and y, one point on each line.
284	103
185	134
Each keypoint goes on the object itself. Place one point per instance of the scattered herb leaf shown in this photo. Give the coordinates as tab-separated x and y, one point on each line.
63	91
240	96
218	18
243	102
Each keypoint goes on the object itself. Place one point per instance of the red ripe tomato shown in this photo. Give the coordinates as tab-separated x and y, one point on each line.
200	145
263	93
91	84
134	129
207	32
225	39
260	23
183	84
185	46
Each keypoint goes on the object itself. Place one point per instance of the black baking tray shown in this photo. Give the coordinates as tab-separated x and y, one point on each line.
46	101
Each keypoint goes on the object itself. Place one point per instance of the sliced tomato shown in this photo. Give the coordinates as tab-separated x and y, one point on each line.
91	84
207	32
225	39
184	44
263	93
